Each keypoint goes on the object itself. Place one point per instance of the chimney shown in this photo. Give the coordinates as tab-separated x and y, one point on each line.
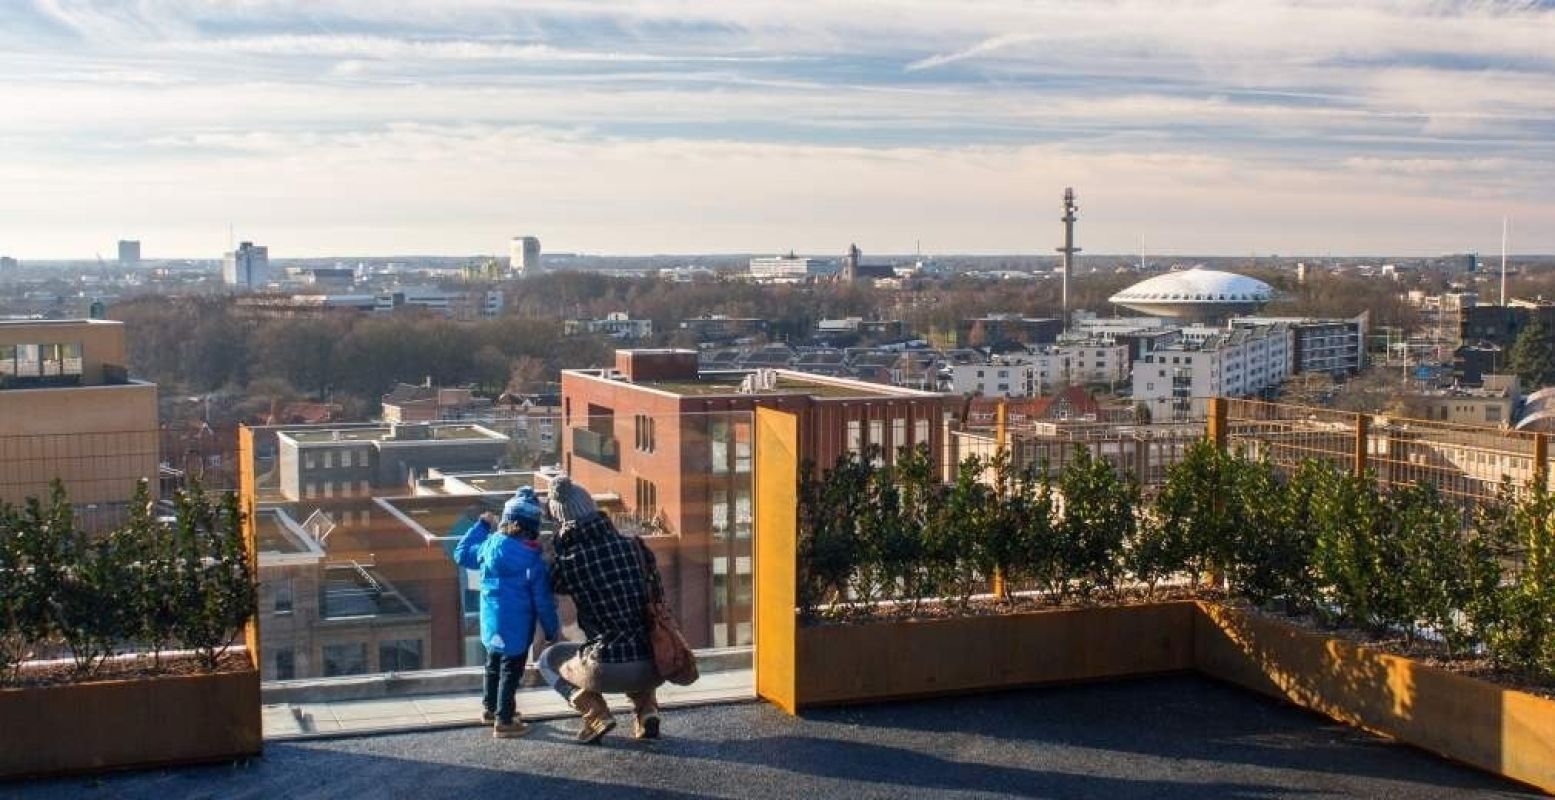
657	365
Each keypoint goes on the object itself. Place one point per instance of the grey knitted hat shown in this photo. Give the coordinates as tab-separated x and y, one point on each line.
570	502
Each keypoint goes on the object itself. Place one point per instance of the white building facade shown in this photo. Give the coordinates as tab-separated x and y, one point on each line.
1177	380
789	268
1043	370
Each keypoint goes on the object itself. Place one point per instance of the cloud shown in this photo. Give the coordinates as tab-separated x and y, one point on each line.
685	125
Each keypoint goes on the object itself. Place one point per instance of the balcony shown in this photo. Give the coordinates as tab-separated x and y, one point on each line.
600	448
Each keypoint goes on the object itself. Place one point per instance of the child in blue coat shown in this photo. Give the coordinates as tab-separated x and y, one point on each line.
515	590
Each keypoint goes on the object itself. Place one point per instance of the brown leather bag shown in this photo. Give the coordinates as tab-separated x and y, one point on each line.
672	657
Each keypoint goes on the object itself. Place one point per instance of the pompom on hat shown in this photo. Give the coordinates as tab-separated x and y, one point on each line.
523	509
570	502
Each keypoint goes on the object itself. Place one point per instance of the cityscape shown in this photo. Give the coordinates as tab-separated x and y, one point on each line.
1173	294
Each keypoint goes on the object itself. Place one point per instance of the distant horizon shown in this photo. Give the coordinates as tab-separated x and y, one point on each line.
1484	257
1410	127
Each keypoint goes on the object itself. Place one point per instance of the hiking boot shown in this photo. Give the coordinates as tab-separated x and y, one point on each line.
597	720
509	730
646	726
488	717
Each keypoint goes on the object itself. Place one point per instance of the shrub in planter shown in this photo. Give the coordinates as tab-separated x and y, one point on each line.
1521	629
957	534
1197	513
1347	513
1098	518
901	547
829	548
1271	549
214	583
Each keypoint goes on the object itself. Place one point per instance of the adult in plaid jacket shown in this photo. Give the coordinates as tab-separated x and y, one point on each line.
610	578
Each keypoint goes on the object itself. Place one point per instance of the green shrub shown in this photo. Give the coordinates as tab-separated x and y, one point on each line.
952	542
1197	513
901	550
1347	513
1098	518
13	639
215	582
829	549
1521	631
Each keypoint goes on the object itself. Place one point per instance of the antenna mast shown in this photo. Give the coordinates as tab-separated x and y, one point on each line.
1503	261
1068	249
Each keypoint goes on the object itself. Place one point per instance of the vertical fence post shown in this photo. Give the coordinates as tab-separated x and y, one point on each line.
1001	445
1541	460
1216	431
1362	440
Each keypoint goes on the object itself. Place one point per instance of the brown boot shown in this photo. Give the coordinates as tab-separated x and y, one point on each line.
597	720
645	714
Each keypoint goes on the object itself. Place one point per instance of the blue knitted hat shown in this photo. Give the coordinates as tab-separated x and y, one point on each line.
523	510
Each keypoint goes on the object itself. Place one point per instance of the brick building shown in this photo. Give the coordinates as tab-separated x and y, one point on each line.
674	442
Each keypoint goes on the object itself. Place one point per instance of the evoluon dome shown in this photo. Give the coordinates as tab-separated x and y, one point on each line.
1195	294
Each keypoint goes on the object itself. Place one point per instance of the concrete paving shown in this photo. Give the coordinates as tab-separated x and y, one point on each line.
283	721
1175	737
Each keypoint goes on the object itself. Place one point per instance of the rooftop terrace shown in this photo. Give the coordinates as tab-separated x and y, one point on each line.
1168	737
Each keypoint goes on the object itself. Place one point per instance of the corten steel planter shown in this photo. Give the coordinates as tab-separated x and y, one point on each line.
1501	730
118	724
882	660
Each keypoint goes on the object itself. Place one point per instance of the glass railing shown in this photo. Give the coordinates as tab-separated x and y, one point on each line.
356	525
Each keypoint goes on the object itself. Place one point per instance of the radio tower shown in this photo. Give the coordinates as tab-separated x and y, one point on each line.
1068	249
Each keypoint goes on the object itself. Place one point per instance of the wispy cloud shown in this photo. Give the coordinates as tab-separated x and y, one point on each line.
777	124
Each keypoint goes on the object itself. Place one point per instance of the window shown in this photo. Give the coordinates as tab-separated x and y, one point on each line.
742	447
345	458
898	433
345	659
921	431
643	426
329	458
647	499
855	436
1491	415
285	662
283	596
309	461
742	514
718	435
719	511
311	491
399	655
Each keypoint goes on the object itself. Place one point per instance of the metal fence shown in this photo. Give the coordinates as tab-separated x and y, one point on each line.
1467	464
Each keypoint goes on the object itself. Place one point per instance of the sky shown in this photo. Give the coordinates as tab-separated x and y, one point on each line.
378	127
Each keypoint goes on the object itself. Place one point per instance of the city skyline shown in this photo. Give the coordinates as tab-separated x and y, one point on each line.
678	127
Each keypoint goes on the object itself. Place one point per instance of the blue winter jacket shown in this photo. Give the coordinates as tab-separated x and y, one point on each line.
515	588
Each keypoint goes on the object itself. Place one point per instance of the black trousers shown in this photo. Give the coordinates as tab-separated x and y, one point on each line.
502	676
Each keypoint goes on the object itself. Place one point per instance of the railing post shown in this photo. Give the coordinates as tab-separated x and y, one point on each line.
1217	422
1001	443
1362	441
1541	460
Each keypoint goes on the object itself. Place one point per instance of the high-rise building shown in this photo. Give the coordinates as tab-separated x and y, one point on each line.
524	255
129	253
68	410
7	264
246	268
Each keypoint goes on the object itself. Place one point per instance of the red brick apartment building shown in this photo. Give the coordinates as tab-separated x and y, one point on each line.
674	443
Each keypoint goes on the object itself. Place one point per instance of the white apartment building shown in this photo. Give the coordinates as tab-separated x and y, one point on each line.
1175	381
789	268
1043	370
616	324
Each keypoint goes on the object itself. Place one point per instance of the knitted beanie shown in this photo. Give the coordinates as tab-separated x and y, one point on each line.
523	512
569	501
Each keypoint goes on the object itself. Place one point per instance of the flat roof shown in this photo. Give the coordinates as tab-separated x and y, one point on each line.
729	384
383	433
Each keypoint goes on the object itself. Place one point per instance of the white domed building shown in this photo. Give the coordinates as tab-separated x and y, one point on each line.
1198	295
